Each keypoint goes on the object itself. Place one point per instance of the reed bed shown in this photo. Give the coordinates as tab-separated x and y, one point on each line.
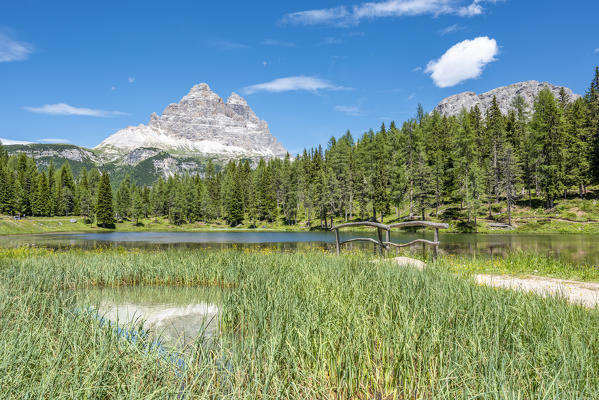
293	326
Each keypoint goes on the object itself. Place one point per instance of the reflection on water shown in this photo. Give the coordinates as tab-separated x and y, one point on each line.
176	315
576	248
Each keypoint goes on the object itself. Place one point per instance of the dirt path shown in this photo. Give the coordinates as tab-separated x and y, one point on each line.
589	221
584	293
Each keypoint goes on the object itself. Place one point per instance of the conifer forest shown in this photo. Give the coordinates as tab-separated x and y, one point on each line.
533	156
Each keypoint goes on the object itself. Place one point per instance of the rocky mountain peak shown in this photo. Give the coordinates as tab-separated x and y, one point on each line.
235	99
200	124
505	95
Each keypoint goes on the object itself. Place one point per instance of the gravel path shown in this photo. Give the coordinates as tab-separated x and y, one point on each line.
584	293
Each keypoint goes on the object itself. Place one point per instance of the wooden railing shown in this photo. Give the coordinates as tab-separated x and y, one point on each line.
386	244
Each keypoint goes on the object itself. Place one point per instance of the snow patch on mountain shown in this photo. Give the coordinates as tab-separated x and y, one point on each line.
200	124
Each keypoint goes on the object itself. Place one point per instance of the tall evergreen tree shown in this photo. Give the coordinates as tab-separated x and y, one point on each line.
548	126
104	207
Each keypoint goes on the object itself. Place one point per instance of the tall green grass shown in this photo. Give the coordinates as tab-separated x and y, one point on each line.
520	262
294	326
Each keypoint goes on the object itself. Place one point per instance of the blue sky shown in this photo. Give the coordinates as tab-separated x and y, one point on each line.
77	71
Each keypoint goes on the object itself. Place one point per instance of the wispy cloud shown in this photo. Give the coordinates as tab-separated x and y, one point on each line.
349	110
293	83
131	79
332	40
54	140
225	44
13	50
451	29
348	16
416	69
597	50
464	60
276	42
411	96
8	142
65	109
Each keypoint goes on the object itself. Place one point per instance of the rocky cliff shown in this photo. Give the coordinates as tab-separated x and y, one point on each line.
201	124
505	95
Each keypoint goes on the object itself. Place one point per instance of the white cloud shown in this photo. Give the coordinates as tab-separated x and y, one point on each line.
451	29
350	110
464	60
225	44
347	16
131	79
8	142
416	69
314	17
65	109
276	42
332	40
293	83
54	140
113	88
12	50
469	11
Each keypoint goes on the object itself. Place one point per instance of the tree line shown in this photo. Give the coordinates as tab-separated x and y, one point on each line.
475	160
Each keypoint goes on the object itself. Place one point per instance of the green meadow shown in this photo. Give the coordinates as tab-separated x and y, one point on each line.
307	325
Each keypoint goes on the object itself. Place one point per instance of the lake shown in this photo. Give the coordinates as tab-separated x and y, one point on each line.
573	247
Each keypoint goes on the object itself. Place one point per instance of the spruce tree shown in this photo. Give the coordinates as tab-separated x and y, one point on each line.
104	207
548	126
85	196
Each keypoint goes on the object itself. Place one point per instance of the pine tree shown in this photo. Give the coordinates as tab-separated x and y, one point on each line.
52	188
548	126
104	207
509	174
67	190
236	212
592	100
137	209
467	168
85	195
123	198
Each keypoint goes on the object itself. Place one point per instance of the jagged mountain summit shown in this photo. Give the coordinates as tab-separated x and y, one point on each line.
201	124
505	95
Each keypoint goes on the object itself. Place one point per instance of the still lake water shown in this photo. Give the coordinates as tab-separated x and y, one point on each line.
176	316
572	247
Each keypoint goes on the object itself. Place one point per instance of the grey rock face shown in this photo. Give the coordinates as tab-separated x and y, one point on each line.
45	152
505	95
201	123
138	155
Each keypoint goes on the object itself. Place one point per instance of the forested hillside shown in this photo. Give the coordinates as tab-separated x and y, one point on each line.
472	161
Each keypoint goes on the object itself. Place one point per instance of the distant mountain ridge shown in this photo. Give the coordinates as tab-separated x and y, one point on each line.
505	96
199	124
200	127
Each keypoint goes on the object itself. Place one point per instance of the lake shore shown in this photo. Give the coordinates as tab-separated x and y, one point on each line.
33	225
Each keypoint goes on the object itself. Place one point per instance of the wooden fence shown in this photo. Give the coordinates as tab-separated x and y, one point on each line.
386	244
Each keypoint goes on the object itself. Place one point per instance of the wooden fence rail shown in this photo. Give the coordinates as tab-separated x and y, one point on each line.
384	245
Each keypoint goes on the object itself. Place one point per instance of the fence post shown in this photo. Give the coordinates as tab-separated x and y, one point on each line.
337	240
436	249
380	234
388	240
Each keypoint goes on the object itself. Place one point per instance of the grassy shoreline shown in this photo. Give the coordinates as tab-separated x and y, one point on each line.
35	225
294	326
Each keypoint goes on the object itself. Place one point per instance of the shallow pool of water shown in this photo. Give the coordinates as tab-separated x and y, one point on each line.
176	316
